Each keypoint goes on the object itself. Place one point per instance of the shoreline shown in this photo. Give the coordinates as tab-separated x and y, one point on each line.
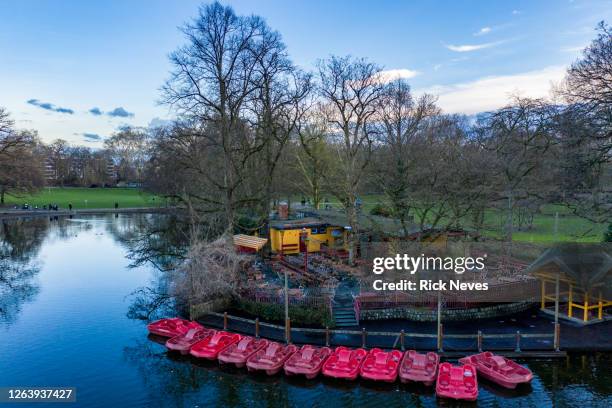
83	211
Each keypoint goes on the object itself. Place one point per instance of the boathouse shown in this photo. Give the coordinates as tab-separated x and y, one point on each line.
305	234
576	281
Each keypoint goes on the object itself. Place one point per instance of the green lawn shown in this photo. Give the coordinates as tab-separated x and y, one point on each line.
89	198
570	227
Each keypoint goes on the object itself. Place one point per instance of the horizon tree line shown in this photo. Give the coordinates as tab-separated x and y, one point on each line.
252	128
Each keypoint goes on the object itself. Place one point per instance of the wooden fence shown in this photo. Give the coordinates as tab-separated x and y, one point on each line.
400	339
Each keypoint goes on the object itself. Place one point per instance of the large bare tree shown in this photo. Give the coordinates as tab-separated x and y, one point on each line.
20	166
401	119
213	79
585	129
350	90
519	135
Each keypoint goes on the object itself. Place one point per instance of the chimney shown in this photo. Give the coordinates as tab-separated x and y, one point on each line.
283	211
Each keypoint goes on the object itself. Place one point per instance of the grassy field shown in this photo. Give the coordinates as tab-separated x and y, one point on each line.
89	198
570	227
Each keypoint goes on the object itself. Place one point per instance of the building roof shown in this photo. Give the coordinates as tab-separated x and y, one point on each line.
589	265
299	223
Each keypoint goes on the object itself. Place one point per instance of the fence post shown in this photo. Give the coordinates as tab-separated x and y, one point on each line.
364	335
440	338
326	336
518	342
288	331
557	339
257	327
224	320
479	341
402	340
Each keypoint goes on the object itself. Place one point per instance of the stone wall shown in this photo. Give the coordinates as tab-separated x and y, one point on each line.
429	315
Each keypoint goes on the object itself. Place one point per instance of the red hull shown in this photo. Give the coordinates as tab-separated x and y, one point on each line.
184	342
499	370
419	367
271	358
381	365
308	361
457	382
171	327
210	347
344	363
238	353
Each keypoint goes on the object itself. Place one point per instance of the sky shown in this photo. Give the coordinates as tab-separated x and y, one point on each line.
79	70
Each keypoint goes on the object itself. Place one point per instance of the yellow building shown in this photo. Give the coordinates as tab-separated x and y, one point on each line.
295	236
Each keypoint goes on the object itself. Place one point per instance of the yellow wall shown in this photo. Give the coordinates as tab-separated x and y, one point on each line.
291	240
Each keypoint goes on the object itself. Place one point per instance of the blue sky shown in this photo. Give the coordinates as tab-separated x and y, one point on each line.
78	70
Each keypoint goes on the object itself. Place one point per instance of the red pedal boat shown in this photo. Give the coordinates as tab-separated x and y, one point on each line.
419	367
271	358
239	352
210	347
171	327
457	382
498	369
307	361
344	363
184	342
381	365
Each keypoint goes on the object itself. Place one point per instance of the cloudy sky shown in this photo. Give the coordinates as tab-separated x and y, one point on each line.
78	70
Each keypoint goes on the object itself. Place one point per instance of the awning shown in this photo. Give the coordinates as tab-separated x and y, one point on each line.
249	241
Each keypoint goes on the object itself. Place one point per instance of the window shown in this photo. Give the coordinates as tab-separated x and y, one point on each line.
314	231
322	230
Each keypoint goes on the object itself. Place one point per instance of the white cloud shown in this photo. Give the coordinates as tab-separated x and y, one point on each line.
516	12
437	67
472	47
494	92
483	31
393	74
573	49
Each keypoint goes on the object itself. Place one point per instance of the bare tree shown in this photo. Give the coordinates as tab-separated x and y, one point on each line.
519	135
312	156
128	149
589	80
20	168
585	129
277	106
213	79
350	89
401	119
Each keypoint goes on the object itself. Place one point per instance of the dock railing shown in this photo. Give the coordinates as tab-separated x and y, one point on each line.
516	343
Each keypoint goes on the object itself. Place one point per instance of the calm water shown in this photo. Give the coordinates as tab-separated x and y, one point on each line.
65	290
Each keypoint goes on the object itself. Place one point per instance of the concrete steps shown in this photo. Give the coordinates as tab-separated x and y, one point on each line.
345	317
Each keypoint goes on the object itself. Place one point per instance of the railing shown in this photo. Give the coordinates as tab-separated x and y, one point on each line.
514	342
278	297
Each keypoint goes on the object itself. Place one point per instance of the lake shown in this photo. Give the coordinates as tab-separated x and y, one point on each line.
67	319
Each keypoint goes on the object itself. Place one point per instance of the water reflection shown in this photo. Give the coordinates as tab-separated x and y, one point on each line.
578	380
19	243
156	240
76	306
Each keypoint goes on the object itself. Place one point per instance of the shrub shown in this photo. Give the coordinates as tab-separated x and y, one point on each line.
382	210
276	312
608	234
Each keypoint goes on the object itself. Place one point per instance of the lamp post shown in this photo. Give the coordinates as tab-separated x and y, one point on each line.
304	239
